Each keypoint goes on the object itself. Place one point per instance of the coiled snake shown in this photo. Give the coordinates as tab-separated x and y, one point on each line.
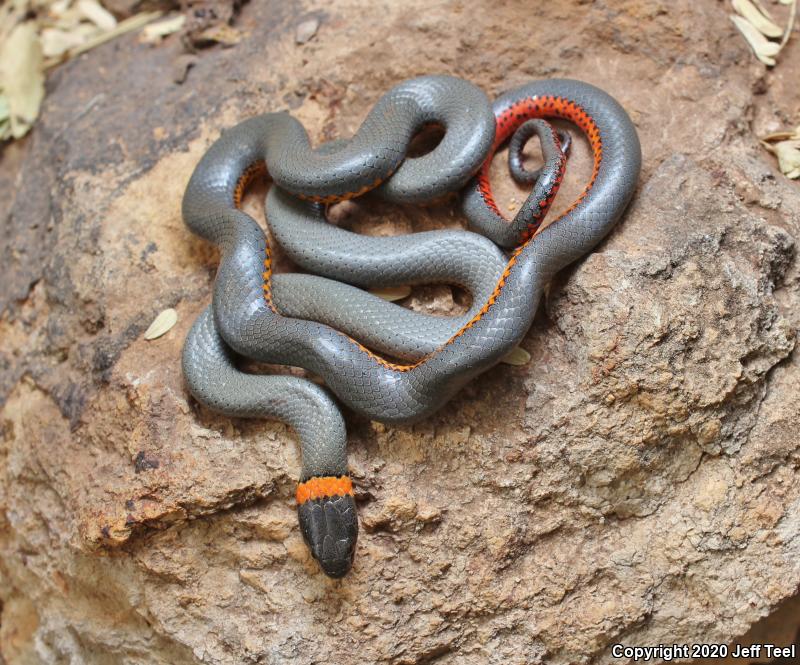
313	321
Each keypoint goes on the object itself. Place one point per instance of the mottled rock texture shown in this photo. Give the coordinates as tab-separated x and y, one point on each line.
636	482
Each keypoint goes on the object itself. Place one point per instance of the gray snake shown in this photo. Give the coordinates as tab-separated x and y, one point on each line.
286	319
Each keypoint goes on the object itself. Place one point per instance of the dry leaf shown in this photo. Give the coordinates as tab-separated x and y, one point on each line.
752	14
306	30
101	17
780	136
59	7
129	24
55	42
788	154
221	34
11	14
764	49
161	324
22	77
67	19
392	293
786	147
516	357
160	29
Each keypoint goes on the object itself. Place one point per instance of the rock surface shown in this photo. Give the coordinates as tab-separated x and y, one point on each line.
636	482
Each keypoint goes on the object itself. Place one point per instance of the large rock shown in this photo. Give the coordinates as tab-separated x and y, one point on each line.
635	483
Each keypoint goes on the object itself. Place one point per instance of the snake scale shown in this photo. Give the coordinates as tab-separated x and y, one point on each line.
327	324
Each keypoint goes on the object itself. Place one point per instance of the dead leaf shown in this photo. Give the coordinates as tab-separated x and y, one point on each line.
161	324
781	136
56	42
392	293
306	30
764	49
759	20
59	7
11	14
128	25
220	34
101	17
786	147
22	77
516	357
160	29
788	154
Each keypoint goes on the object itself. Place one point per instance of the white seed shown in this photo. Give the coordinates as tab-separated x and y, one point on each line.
161	324
517	357
392	293
306	30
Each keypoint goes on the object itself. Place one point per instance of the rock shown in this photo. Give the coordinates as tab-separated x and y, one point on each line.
636	481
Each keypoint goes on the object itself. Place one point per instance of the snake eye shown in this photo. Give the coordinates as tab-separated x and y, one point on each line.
330	529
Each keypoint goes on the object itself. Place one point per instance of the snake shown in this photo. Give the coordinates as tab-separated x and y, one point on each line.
327	324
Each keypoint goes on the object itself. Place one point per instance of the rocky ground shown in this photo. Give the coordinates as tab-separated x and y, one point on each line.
636	482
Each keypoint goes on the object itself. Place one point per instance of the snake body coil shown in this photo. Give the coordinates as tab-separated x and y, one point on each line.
248	315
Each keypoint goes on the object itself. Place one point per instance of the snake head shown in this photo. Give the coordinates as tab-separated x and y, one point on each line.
327	513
